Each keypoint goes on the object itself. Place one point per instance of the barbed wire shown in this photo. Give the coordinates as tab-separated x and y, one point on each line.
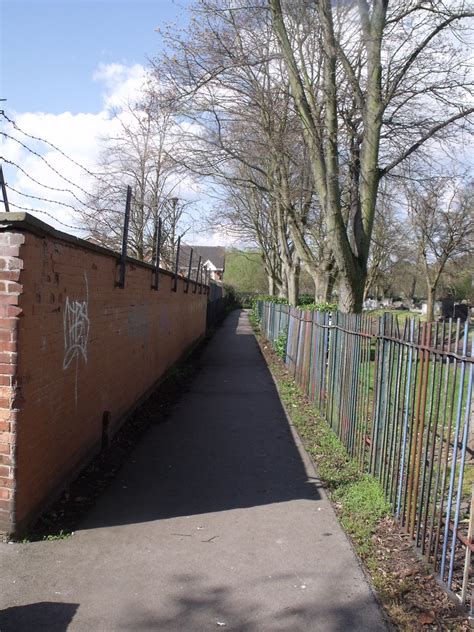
84	209
42	199
35	153
47	142
37	210
65	204
41	184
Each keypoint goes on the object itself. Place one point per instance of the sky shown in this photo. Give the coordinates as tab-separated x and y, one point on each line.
64	65
50	51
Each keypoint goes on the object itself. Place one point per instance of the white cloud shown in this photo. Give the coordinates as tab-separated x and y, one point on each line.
218	238
122	84
78	136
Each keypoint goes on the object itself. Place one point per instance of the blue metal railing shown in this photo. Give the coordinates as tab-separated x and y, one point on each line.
399	396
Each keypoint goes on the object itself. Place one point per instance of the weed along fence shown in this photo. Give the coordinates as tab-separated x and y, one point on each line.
84	334
399	396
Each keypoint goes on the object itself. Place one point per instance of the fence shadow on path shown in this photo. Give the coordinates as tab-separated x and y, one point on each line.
226	445
205	605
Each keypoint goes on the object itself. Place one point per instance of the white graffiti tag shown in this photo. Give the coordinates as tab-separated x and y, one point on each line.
76	330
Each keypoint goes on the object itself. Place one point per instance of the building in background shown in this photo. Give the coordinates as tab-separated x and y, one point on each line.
212	259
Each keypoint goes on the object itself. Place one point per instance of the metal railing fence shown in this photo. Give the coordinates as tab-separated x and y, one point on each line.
399	397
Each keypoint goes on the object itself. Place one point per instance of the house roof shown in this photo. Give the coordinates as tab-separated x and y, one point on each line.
214	254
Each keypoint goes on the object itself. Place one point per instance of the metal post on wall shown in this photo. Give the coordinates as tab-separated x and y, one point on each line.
4	191
176	267
123	257
189	271
200	280
197	276
156	272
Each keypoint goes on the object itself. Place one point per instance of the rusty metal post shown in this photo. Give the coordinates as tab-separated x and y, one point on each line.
176	267
123	257
200	280
156	271
450	406
189	271
419	426
4	191
197	276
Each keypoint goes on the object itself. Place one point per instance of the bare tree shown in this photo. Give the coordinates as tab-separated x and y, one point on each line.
137	155
373	82
392	244
441	212
249	215
241	131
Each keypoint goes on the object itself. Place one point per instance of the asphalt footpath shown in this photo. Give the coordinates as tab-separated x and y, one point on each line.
217	520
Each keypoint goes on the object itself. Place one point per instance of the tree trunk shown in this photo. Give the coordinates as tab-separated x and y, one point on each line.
293	277
351	295
411	296
330	286
282	287
271	285
323	285
431	302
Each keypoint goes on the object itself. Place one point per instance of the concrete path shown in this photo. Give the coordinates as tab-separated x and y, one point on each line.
217	521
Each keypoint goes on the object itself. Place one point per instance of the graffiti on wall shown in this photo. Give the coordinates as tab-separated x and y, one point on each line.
76	331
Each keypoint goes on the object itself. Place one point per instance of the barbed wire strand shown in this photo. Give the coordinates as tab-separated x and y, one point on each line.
85	206
37	210
42	199
84	229
35	153
74	208
47	142
41	184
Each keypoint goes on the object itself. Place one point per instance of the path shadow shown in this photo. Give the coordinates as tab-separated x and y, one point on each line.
44	615
226	445
205	606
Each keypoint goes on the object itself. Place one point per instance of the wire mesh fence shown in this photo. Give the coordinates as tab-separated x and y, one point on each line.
399	396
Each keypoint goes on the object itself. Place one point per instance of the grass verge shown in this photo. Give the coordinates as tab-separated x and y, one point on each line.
406	588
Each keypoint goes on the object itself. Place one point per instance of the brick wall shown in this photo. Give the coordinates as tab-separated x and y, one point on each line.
74	349
10	289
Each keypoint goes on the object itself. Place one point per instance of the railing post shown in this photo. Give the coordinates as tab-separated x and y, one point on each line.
189	271
176	268
4	191
197	276
156	271
123	257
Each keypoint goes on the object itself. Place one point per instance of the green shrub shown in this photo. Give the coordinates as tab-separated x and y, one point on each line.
305	299
280	344
266	298
255	316
322	306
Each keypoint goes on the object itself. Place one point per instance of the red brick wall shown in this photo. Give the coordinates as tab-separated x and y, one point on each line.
10	289
74	347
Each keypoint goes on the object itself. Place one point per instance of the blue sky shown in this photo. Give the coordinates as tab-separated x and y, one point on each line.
68	68
51	49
